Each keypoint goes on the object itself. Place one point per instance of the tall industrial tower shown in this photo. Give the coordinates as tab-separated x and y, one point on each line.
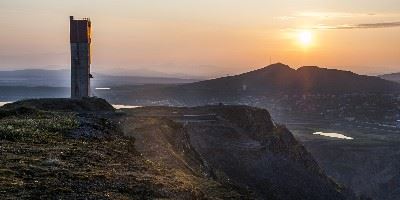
80	37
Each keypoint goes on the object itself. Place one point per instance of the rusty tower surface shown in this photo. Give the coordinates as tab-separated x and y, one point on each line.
80	38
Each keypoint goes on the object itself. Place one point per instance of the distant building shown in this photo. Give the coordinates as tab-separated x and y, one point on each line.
80	38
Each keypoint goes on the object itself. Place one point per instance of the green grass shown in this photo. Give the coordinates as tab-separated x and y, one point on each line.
37	128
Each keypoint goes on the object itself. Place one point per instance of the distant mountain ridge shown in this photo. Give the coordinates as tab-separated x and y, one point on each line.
274	80
61	78
280	78
391	77
34	72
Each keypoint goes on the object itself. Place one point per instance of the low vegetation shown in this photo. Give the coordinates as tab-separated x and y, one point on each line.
51	155
30	125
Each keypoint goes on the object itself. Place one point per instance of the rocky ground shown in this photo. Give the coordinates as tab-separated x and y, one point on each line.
68	149
238	145
61	155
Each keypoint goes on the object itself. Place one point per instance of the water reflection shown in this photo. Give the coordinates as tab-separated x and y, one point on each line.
2	103
334	135
116	106
124	106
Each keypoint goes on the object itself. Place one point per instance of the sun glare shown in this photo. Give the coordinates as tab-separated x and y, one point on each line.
305	38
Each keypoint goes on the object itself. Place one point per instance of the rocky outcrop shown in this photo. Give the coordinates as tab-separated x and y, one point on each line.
239	145
67	149
92	104
77	154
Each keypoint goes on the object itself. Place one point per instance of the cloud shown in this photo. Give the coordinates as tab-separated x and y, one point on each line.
326	15
361	26
286	18
331	15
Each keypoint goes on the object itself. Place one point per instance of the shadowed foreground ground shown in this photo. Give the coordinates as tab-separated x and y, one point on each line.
67	155
67	149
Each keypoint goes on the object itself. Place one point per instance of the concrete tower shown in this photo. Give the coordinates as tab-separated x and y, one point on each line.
80	37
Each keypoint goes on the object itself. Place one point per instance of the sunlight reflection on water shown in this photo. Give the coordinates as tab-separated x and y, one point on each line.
116	106
334	135
124	106
2	103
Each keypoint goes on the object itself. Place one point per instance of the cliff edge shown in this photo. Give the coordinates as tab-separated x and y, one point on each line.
76	149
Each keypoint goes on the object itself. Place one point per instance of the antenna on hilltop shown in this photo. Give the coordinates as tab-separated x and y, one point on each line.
270	60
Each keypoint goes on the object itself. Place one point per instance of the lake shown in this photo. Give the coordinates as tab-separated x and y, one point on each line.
116	106
333	135
2	103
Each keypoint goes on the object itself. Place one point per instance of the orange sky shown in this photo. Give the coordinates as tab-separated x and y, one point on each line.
205	38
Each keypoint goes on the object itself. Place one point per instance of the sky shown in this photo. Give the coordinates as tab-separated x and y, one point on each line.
207	38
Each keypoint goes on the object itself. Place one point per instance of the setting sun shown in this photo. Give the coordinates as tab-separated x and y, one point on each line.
305	38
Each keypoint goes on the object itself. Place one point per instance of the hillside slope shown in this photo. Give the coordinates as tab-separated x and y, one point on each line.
271	81
65	149
49	154
281	79
391	77
238	145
